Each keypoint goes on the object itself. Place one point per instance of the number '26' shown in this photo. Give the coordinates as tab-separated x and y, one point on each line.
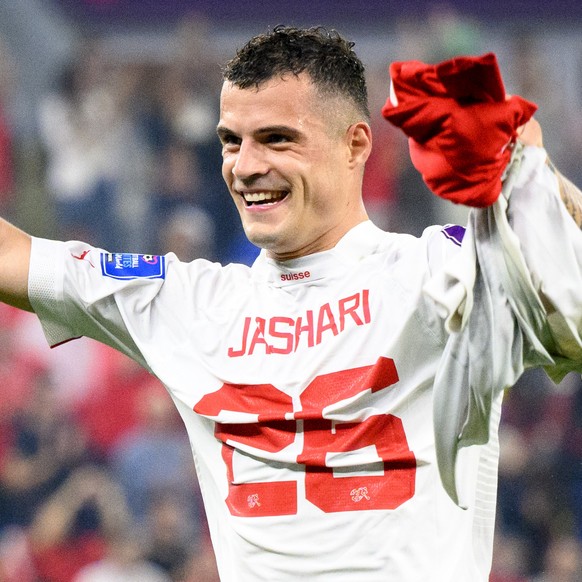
274	431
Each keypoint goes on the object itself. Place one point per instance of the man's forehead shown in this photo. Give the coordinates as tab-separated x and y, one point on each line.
292	100
278	98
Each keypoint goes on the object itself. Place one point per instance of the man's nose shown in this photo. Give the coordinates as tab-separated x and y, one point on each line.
250	162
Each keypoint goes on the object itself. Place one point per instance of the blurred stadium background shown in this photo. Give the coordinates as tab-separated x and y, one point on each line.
107	116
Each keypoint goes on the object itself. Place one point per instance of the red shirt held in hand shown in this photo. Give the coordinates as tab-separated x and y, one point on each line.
460	122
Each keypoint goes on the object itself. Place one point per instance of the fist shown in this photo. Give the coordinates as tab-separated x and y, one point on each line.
530	134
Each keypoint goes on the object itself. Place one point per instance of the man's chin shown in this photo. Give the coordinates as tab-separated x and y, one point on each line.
262	238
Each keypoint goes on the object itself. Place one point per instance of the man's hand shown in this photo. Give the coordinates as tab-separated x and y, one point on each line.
530	134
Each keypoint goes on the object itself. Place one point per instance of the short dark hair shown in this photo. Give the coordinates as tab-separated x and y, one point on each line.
324	55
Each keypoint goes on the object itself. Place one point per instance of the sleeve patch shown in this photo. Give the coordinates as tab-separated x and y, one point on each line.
131	266
454	233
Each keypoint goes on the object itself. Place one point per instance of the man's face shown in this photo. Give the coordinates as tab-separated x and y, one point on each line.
288	164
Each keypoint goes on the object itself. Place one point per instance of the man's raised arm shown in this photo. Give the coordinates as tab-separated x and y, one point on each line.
571	197
531	134
14	262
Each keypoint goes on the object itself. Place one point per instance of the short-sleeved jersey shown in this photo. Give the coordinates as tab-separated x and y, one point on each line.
306	391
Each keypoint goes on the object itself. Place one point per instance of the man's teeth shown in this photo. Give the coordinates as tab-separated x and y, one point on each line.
251	197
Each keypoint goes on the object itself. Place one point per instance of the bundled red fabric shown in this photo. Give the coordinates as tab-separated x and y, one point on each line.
460	124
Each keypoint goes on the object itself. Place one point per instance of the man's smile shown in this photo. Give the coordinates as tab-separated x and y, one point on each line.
264	197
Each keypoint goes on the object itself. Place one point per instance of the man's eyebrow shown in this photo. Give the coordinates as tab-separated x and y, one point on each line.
286	129
224	132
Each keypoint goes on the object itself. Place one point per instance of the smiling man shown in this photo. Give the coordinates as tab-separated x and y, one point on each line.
307	382
293	160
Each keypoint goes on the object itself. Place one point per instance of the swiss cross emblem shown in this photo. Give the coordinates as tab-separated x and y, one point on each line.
359	493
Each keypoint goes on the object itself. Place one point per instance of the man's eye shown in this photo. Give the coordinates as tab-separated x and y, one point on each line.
277	138
230	141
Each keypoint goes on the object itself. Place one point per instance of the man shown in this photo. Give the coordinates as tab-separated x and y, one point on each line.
305	382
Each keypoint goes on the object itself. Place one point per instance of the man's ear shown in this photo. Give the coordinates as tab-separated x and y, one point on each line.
359	142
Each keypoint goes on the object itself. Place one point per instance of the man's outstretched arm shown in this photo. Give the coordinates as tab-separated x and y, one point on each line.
14	263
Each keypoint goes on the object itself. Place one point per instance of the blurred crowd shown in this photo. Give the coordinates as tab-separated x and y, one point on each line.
97	483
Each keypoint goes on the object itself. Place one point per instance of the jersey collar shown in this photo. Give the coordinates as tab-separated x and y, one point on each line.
359	242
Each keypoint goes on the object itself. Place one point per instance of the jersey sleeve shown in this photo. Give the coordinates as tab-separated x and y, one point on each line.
77	290
551	244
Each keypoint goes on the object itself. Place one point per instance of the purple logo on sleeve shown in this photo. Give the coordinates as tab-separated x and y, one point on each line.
454	233
132	266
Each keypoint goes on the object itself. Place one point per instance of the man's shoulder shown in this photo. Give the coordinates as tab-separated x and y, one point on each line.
434	240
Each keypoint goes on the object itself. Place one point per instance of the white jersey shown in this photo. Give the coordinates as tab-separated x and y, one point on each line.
306	388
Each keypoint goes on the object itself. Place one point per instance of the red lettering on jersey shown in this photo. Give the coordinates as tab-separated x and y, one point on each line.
259	337
349	306
384	432
295	276
278	334
271	433
242	351
345	384
305	330
325	321
299	329
251	398
272	426
366	305
258	499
